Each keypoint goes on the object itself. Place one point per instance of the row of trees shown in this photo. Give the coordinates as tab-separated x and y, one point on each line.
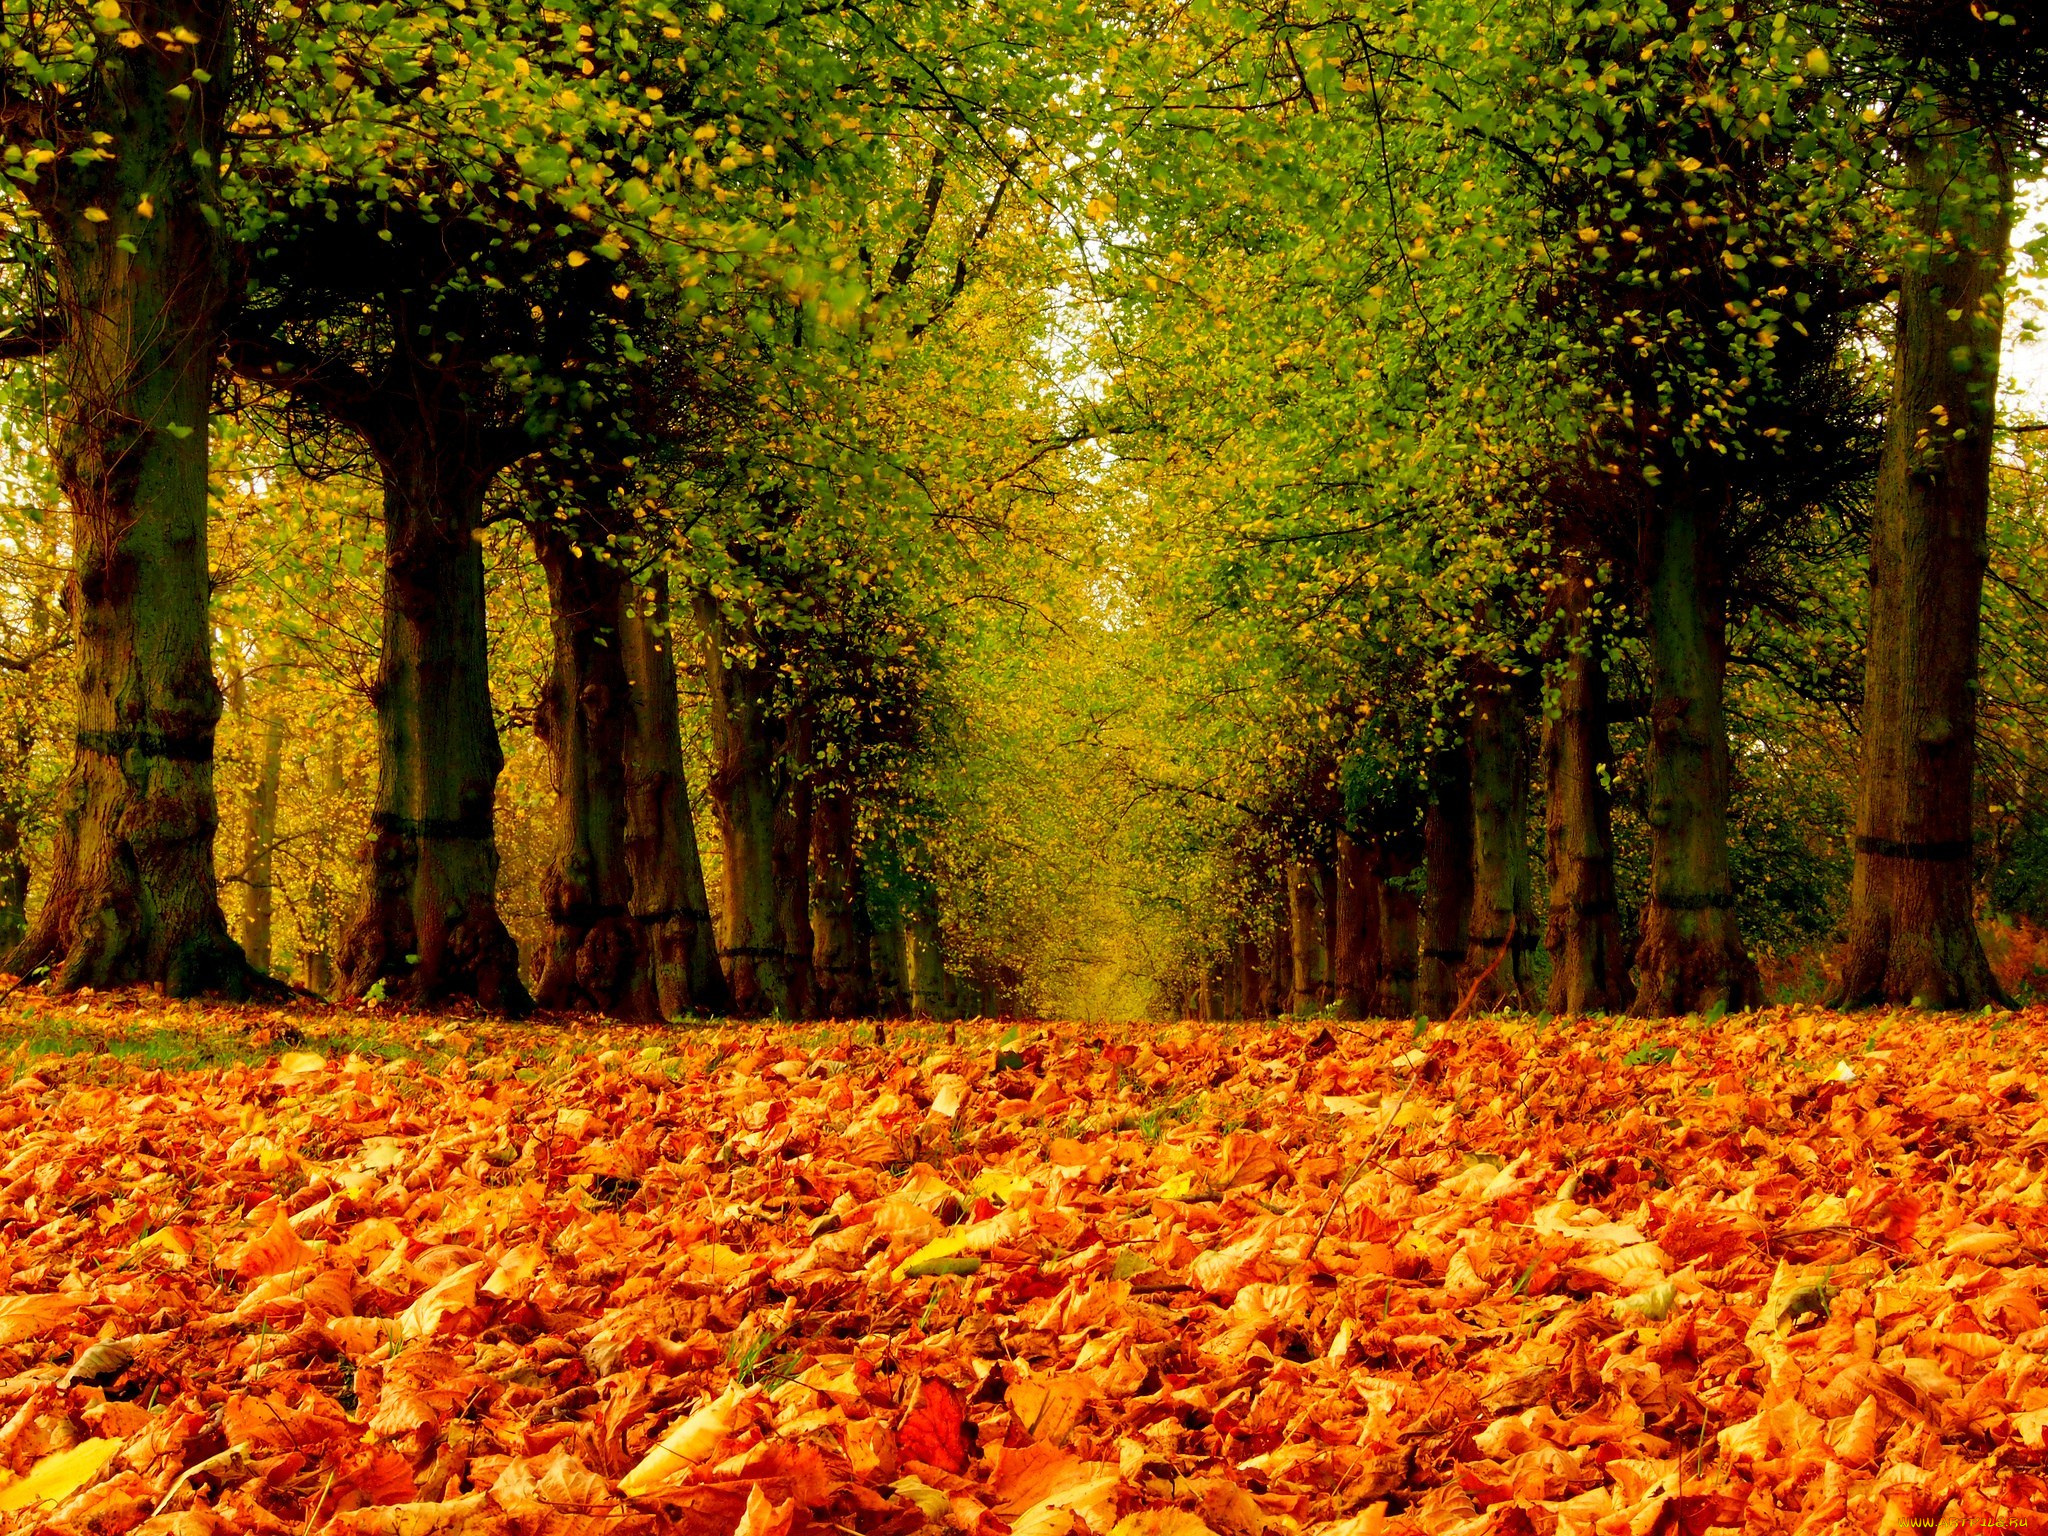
1500	382
1386	423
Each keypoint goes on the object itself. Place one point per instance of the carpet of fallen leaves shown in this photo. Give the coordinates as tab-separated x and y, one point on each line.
1782	1272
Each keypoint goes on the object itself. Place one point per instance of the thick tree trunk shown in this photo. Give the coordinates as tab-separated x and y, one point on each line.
1447	894
842	975
1912	929
1400	855
1358	957
792	861
132	894
1502	932
756	779
1308	927
594	957
1588	967
259	826
428	925
669	905
1691	957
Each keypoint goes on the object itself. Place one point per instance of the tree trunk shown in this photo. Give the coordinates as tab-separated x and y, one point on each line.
594	957
1308	927
1357	947
842	975
888	958
755	777
1400	854
1691	957
428	925
792	860
1280	973
925	960
1502	931
669	904
1588	967
1251	980
1447	894
1912	929
260	829
132	895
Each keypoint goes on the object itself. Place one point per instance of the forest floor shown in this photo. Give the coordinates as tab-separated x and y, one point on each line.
284	1272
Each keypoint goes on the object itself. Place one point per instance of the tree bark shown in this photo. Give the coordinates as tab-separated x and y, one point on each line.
925	960
1502	929
1691	957
1308	926
260	828
594	957
756	779
1357	909
887	957
1447	893
1400	854
1280	973
1251	979
1588	966
1912	927
669	904
428	925
842	974
132	894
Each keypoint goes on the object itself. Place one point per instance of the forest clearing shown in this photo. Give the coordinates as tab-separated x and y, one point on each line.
358	1274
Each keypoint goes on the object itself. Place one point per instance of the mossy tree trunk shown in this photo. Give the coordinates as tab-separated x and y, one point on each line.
1912	928
428	925
842	974
669	904
133	895
1588	966
1447	893
1691	957
756	779
594	956
1502	931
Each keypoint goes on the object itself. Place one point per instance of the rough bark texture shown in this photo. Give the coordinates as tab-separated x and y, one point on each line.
842	974
791	858
1588	966
1251	980
670	906
1447	896
1400	855
259	825
1280	953
755	777
1691	957
594	957
1912	930
132	893
1357	950
1502	933
1308	899
428	924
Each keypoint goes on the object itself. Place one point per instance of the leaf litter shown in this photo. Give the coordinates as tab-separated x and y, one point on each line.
1781	1272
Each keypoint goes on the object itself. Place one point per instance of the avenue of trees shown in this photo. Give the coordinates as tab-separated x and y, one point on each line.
860	510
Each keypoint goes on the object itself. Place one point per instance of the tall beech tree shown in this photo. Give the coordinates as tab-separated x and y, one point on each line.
1973	81
115	120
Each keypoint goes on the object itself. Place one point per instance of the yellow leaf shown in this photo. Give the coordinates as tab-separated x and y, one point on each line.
24	1317
577	258
59	1475
687	1446
1160	1522
937	1248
